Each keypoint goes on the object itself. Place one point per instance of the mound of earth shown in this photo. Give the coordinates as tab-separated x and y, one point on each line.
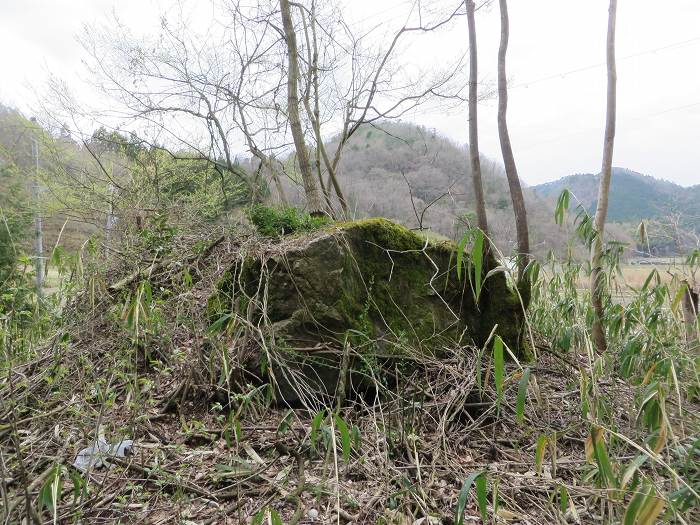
355	295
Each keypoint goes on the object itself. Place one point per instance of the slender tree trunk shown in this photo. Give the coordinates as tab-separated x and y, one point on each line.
264	159
516	192
315	117
311	189
690	314
474	160
278	184
312	87
597	275
109	222
269	163
240	174
38	223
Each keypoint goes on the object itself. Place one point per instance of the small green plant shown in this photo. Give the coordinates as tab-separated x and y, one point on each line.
267	515
140	313
276	222
158	235
477	479
51	491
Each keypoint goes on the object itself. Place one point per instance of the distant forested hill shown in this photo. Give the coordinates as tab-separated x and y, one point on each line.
633	196
671	212
384	165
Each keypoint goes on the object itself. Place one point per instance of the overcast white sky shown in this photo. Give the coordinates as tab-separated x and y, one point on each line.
555	65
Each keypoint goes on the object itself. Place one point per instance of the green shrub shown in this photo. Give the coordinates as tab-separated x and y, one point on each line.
158	235
15	221
275	222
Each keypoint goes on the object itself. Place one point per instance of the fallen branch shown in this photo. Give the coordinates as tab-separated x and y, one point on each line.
139	274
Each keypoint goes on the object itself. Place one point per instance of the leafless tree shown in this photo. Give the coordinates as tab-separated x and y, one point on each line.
516	192
370	95
313	193
232	86
597	274
474	159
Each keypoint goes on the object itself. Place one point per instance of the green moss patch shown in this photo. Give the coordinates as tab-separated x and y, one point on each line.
276	222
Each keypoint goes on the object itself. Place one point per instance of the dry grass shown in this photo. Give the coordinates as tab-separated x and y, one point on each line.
199	460
414	452
634	276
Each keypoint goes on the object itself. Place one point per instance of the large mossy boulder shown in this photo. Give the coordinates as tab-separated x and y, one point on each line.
370	287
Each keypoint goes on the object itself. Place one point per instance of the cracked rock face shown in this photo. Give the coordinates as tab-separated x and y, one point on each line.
371	287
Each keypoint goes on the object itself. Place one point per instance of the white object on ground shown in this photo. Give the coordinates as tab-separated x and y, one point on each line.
98	454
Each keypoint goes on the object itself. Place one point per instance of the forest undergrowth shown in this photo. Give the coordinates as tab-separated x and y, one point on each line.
125	350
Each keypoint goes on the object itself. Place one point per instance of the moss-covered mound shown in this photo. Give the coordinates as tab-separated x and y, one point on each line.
371	289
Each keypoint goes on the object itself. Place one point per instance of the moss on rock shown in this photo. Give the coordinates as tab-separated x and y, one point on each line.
372	283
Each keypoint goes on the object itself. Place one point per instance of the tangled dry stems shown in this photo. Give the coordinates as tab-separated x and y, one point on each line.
199	460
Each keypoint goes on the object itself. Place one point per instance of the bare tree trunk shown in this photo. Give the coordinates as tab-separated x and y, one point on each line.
265	160
312	87
38	224
473	128
690	314
110	220
597	275
311	189
240	174
278	184
315	115
38	242
516	192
